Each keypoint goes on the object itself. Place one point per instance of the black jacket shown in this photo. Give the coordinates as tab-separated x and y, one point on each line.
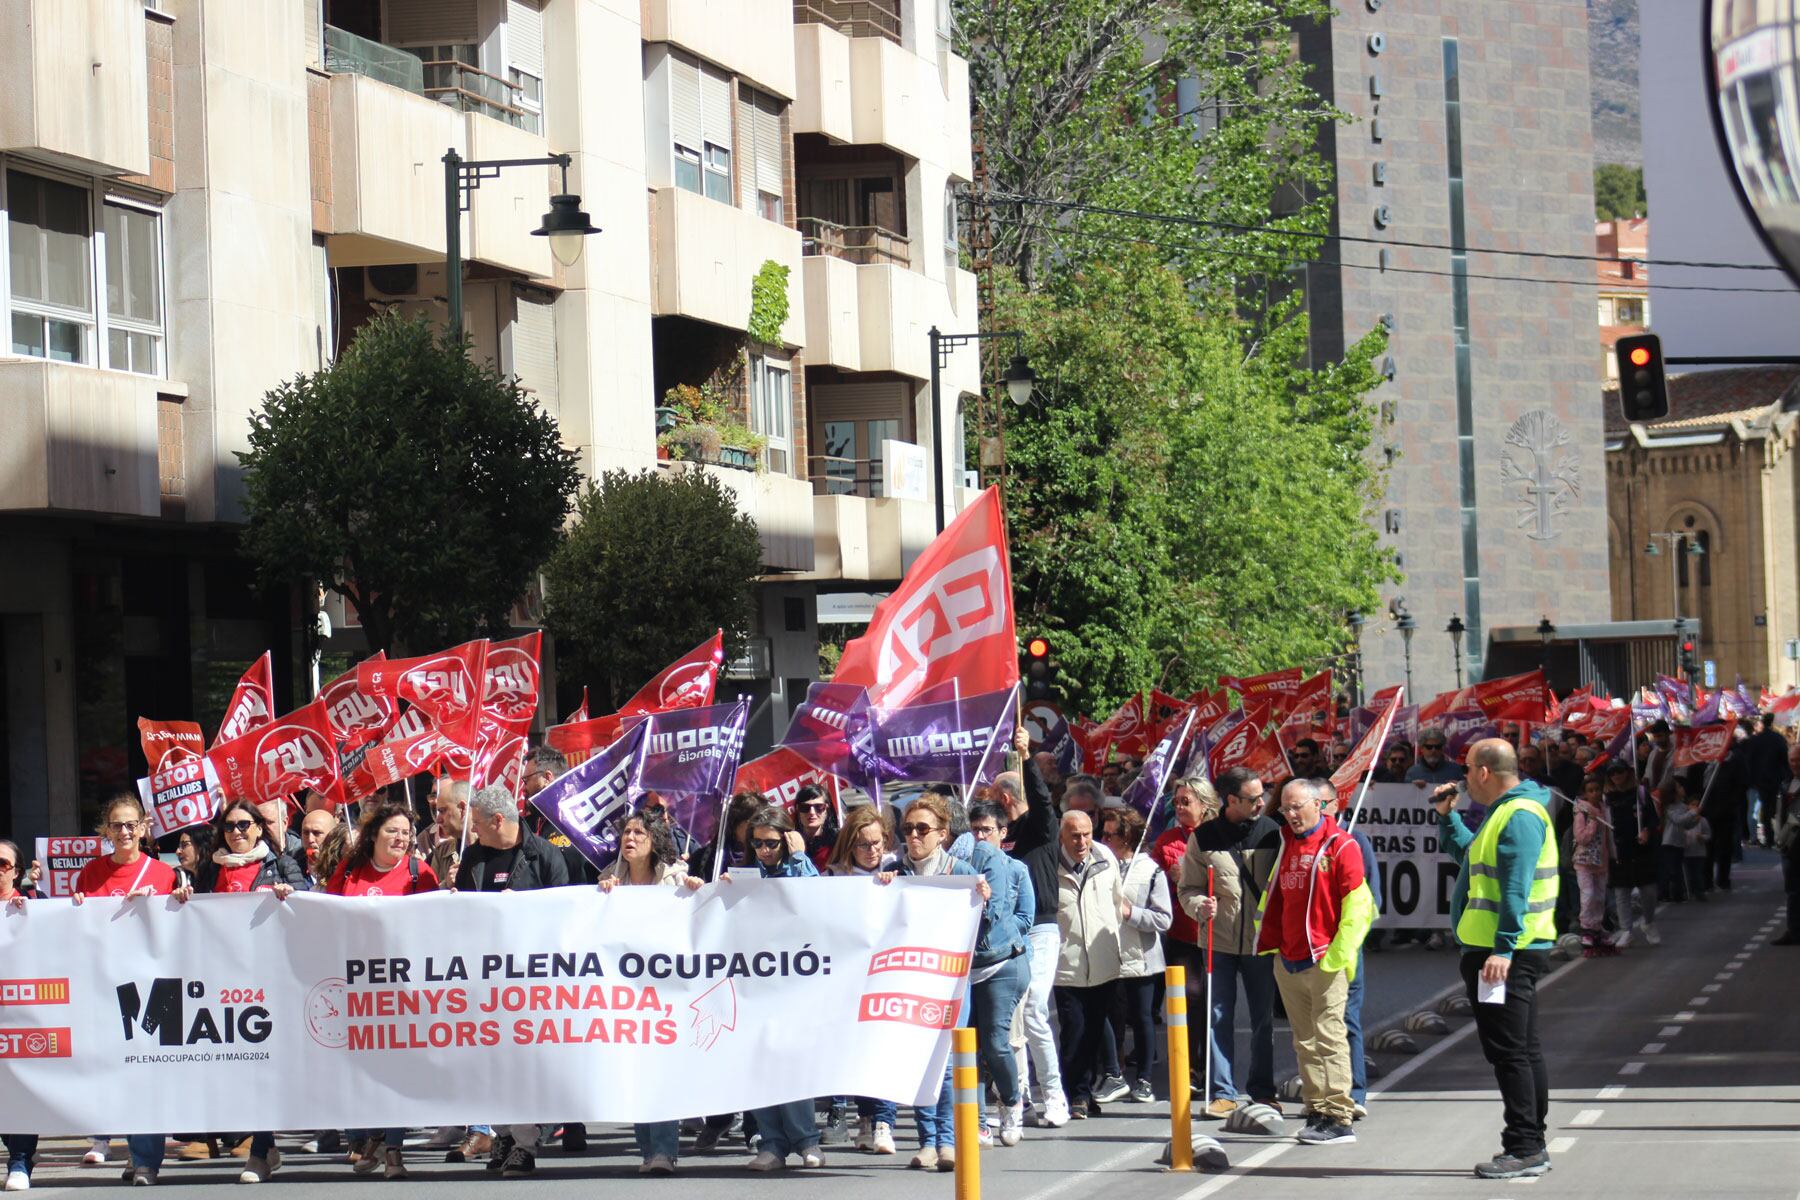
536	864
277	868
1034	843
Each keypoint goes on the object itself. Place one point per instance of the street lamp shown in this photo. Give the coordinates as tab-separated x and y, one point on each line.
1456	629
1408	627
1019	378
1546	631
565	224
1653	550
1356	627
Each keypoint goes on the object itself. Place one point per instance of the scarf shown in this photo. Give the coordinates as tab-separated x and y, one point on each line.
935	863
225	858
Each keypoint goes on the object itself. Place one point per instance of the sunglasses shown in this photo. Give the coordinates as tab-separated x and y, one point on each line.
814	807
239	826
8	866
766	843
918	830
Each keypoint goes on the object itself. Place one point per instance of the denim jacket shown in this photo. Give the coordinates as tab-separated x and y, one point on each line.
792	866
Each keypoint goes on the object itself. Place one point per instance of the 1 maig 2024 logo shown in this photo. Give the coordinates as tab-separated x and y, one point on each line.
185	1015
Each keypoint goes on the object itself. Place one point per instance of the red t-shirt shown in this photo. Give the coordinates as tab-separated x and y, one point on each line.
369	880
1167	850
236	879
104	877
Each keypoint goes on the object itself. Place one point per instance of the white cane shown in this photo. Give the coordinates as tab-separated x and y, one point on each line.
1206	1071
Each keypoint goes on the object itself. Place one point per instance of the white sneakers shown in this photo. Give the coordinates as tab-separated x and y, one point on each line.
657	1164
1648	929
812	1156
883	1141
96	1154
18	1181
865	1135
1012	1124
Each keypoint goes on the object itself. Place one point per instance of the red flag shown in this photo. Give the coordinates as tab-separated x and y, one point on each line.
1278	688
1514	698
165	742
356	717
950	618
447	685
1247	745
296	753
252	704
509	698
688	682
1349	774
1209	707
1127	730
577	740
410	747
581	712
1703	744
780	776
1459	700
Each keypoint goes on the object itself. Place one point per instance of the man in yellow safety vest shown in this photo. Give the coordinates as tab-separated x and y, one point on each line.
1503	911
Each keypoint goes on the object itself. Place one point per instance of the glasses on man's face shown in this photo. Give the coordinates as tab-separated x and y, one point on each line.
766	843
984	832
239	826
1295	810
918	830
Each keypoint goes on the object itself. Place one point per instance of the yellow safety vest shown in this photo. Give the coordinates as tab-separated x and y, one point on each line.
1481	915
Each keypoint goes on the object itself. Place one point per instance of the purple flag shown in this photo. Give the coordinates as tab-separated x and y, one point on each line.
690	759
586	802
1462	727
1146	791
949	741
833	729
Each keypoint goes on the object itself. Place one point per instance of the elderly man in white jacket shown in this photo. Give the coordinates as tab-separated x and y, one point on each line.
1090	906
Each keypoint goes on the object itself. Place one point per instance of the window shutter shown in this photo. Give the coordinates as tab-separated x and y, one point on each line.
431	23
715	107
747	122
768	145
525	36
684	101
534	350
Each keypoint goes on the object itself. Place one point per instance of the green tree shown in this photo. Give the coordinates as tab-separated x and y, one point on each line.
652	565
1619	192
420	486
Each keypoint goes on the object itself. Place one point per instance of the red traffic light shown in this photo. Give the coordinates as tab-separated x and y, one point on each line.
1687	647
1640	356
1038	647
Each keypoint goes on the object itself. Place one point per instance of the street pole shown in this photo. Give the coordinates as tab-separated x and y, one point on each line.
937	451
453	164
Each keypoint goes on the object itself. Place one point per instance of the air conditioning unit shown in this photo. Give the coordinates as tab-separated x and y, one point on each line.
404	283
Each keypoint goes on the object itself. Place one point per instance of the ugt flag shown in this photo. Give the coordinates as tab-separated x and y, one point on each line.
294	754
252	702
951	618
447	685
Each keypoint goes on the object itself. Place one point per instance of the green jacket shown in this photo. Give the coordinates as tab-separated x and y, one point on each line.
1520	845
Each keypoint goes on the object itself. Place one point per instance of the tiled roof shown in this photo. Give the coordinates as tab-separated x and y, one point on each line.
1711	399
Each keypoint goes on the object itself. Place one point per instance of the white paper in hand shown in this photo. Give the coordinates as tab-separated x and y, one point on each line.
1490	993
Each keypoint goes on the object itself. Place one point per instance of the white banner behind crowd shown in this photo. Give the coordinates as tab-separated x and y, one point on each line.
648	1003
1416	875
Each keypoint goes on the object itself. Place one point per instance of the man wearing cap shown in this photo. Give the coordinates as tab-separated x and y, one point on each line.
1503	909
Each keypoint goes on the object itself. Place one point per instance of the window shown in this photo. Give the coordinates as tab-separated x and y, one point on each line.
759	125
700	127
134	319
952	250
771	407
50	248
718	173
1628	312
528	95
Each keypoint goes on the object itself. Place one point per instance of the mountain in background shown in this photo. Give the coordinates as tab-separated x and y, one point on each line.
1613	65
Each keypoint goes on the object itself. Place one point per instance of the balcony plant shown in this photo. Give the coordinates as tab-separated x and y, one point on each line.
703	432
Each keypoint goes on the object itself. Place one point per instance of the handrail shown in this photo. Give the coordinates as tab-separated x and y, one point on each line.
463	97
862	244
852	18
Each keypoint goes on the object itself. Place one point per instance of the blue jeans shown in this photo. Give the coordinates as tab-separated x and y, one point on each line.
787	1128
991	1015
1359	1066
879	1112
1257	973
937	1122
19	1149
146	1149
659	1137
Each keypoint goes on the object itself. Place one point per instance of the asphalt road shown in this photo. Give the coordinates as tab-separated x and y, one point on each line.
1675	1072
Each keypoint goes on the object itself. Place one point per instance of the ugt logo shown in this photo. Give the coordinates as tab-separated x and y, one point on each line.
166	1015
290	758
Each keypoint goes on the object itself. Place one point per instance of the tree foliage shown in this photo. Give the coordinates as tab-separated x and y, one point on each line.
1619	192
652	565
419	485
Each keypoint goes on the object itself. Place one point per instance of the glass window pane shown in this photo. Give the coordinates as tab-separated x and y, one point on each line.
687	171
133	265
118	349
718	186
28	335
66	244
26	253
65	341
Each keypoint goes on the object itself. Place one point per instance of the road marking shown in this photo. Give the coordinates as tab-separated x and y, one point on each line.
1683	1016
1587	1116
1700	1001
1740	956
1724	976
1561	1145
1652	1048
1710	988
1265	1155
1611	1091
1668	1031
1076	1179
1632	1068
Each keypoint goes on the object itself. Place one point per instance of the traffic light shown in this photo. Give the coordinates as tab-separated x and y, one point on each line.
1689	667
1643	392
1035	669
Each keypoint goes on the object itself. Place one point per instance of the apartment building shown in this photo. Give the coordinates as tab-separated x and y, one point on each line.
204	197
1623	273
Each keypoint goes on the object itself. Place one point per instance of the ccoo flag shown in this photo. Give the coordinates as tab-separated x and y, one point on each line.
586	802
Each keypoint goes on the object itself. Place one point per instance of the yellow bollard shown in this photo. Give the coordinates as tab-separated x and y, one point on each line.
965	1084
1181	1134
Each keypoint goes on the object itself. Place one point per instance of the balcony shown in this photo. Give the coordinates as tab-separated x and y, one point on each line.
860	244
875	317
78	439
871	91
781	506
752	38
705	254
77	88
852	18
348	54
858	537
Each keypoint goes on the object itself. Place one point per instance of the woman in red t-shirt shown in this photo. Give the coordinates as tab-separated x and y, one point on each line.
382	864
129	872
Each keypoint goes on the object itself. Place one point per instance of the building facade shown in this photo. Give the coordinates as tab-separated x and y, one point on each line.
1623	246
1469	137
202	198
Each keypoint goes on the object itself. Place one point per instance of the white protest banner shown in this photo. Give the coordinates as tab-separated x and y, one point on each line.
643	1004
63	858
1416	875
177	796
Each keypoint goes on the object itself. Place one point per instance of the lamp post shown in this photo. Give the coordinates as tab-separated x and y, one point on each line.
1408	627
565	224
1356	627
1653	550
1019	379
1546	631
1456	629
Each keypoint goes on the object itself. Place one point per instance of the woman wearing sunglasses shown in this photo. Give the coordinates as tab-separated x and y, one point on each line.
382	864
864	847
817	823
15	889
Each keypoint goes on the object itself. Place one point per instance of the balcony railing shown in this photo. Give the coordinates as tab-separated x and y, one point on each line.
468	88
852	18
345	53
833	476
860	244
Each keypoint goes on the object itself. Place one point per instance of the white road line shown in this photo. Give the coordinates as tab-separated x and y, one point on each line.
1724	976
1700	1001
1668	1031
1587	1116
1561	1145
1078	1178
1682	1016
1710	988
1265	1155
1632	1068
1652	1048
1741	956
1611	1091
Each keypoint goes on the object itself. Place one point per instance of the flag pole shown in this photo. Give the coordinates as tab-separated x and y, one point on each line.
1385	729
981	767
1206	1071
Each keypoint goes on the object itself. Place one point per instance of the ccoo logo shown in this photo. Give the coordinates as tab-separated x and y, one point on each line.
960	604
